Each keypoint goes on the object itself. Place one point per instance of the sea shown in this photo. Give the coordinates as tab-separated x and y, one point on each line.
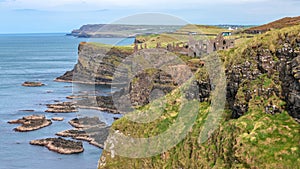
41	57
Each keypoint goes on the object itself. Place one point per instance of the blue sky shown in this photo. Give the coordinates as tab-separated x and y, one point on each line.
36	16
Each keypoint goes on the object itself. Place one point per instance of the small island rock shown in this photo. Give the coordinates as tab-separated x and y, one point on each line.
60	145
57	118
33	84
30	123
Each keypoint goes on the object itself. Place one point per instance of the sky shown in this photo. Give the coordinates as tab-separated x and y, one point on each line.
38	16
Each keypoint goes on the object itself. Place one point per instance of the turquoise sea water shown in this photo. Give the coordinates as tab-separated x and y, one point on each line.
39	57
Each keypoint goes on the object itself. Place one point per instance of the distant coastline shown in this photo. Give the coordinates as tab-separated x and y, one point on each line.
132	31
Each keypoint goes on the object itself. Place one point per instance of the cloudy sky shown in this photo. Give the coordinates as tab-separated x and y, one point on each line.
35	16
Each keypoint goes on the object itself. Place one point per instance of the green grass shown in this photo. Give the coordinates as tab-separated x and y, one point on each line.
255	140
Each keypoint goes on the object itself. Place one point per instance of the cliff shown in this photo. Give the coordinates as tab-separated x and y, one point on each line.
96	63
259	127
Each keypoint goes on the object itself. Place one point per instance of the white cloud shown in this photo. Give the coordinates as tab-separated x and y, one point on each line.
93	4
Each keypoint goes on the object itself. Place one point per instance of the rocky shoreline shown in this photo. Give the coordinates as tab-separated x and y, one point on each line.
89	129
31	123
96	138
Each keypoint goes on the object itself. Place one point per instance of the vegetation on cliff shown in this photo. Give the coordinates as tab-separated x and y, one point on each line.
259	126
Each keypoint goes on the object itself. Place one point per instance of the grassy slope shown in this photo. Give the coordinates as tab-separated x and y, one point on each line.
278	24
201	29
256	140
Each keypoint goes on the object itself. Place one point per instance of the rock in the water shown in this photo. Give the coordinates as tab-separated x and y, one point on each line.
94	135
89	129
87	122
60	145
57	118
33	84
30	123
75	134
27	110
64	107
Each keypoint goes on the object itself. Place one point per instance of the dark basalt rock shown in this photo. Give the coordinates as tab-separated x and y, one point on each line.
67	77
289	76
30	123
60	145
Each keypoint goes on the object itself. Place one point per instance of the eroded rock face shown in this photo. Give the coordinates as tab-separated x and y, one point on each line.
96	65
31	123
150	86
33	84
268	75
142	89
290	77
60	145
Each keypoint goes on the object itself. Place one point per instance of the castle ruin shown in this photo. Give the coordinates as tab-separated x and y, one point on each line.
195	48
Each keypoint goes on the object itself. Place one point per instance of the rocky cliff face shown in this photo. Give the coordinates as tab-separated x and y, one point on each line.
267	75
99	64
96	64
259	128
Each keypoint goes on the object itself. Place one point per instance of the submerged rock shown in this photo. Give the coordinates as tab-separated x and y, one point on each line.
60	145
33	84
26	110
30	123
